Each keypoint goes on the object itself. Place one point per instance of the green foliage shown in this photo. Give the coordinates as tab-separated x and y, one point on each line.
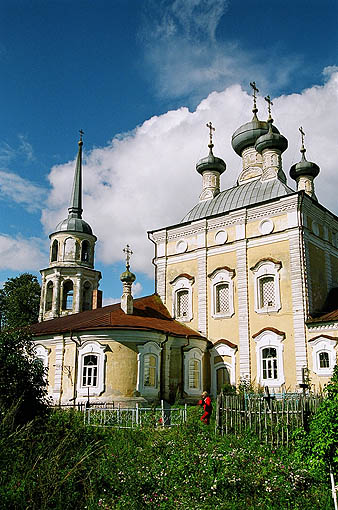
59	463
22	376
19	301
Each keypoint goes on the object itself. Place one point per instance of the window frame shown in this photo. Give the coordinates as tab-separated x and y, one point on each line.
264	269
66	295
270	339
219	277
49	293
182	283
319	345
197	355
96	349
149	348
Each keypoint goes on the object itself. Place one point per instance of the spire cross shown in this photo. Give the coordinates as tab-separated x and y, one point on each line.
81	134
128	253
270	103
302	135
254	91
211	129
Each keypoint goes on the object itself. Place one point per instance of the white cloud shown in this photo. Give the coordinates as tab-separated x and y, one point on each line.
21	191
184	57
19	254
26	148
147	179
137	289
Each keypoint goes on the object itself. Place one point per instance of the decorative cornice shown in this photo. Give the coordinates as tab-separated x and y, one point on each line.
224	268
264	260
274	330
324	336
183	275
226	342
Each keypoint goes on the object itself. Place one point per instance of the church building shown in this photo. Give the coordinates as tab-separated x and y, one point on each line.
245	289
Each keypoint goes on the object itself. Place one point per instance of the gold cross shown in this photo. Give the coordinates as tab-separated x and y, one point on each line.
128	253
255	90
270	103
81	133
211	129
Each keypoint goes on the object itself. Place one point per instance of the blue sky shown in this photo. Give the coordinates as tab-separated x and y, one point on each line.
141	77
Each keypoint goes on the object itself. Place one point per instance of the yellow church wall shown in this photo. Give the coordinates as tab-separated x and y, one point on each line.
51	366
68	373
231	235
317	277
121	369
280	224
281	320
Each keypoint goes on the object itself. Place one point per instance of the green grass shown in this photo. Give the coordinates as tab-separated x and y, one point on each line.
60	464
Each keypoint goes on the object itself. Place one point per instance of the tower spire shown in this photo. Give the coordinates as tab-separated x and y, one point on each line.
75	205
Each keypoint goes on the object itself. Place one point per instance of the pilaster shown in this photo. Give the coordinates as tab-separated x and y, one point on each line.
243	309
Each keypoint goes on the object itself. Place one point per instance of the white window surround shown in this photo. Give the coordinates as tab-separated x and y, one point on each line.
269	338
96	349
218	277
222	349
193	354
182	283
319	345
143	350
267	268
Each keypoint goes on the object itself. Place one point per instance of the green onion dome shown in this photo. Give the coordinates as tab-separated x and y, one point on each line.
127	276
271	140
211	162
247	135
72	224
304	167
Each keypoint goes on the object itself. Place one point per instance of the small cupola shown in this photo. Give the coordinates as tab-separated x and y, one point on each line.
127	278
244	139
305	172
271	146
211	169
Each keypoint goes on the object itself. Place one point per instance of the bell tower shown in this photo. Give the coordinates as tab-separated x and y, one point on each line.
70	282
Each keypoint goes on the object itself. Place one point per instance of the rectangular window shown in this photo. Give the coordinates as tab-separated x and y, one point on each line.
269	362
324	361
182	308
194	373
222	298
267	292
89	373
150	370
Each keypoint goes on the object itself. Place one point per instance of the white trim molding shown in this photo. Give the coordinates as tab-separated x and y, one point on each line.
150	348
41	352
264	269
271	376
320	345
95	349
222	276
182	284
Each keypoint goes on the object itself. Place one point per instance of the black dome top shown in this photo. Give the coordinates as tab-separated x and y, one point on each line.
247	134
271	140
211	162
304	167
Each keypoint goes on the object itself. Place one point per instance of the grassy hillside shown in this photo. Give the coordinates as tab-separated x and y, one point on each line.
57	463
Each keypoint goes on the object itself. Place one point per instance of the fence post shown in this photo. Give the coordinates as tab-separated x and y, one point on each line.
137	415
162	412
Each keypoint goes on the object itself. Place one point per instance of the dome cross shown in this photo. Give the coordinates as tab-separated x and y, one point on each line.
211	129
128	253
302	135
254	92
270	103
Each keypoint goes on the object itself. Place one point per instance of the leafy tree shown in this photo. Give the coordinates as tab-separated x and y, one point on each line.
22	376
19	301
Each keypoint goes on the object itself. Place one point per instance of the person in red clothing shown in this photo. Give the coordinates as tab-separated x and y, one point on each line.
205	402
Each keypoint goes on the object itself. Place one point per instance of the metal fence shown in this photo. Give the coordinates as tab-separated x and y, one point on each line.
122	417
273	419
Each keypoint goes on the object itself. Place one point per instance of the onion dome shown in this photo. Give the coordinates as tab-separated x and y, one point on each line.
211	163
127	276
247	134
271	140
304	167
74	222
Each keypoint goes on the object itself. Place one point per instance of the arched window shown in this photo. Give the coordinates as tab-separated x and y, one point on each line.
69	249
222	300
150	370
222	378
85	250
269	364
55	249
182	297
49	296
194	374
323	354
89	370
87	296
67	299
267	291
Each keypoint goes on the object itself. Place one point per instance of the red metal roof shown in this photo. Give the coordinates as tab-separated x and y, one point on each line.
327	317
149	314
